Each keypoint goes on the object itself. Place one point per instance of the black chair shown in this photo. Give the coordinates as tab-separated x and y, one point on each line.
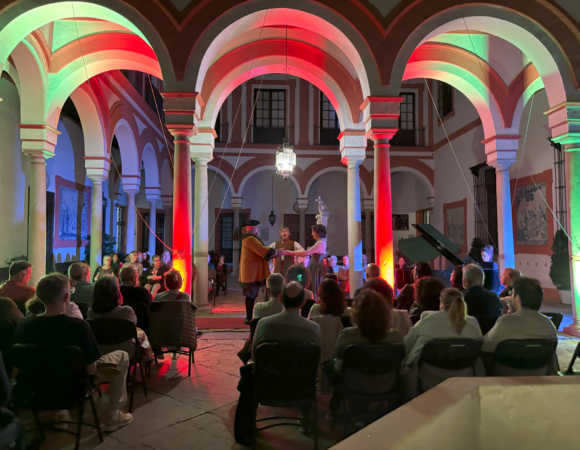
52	378
253	326
486	323
370	372
346	322
284	375
518	356
113	332
83	308
455	356
142	312
556	318
570	369
7	332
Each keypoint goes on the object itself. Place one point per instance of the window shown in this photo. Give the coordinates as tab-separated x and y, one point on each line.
560	185
221	129
120	228
484	187
270	116
406	136
329	126
224	236
444	99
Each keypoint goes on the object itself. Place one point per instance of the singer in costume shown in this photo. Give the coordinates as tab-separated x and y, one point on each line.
282	263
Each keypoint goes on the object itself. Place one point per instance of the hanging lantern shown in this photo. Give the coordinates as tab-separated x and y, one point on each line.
272	218
285	159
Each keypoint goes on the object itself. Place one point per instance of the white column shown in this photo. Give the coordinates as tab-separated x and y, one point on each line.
352	150
153	196
38	142
501	154
369	206
167	203
96	256
200	234
236	206
302	207
131	188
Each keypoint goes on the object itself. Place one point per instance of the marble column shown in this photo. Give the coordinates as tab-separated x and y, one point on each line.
167	203
38	142
369	206
96	256
236	206
131	191
201	231
302	207
153	196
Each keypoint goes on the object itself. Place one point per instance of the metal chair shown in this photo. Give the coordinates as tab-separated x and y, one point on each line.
142	312
172	324
453	358
284	375
486	323
523	357
83	308
52	378
556	318
114	332
570	369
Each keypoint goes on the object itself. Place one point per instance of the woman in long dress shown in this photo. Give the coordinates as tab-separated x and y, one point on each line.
316	267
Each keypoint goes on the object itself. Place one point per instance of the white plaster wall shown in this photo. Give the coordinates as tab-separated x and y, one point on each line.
14	169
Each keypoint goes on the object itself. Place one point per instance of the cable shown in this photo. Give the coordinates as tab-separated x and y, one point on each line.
161	124
523	149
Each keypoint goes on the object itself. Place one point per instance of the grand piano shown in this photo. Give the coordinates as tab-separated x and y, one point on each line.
431	244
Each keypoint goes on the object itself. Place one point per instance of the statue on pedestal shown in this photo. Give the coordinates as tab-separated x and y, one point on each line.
323	213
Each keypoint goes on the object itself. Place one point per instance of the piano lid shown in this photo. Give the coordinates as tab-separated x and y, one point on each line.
429	245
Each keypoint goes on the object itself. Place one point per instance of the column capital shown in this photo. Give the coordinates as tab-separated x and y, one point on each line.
564	121
353	145
302	204
203	144
97	167
501	150
368	204
185	104
38	140
152	194
236	203
131	184
167	201
381	116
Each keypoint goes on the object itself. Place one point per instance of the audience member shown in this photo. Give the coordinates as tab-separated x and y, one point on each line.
16	288
116	264
373	271
222	275
481	303
108	301
330	276
136	263
452	322
332	265
508	277
370	318
166	259
456	278
173	281
9	310
154	277
343	273
105	269
526	322
80	273
332	301
426	295
34	307
146	261
299	273
406	296
130	289
489	266
398	318
55	328
275	284
365	262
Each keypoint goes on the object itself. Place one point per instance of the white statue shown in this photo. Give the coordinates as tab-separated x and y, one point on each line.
323	213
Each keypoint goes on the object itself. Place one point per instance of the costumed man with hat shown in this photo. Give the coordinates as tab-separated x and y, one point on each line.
254	267
282	264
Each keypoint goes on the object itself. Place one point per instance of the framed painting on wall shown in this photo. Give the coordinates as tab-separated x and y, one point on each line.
400	221
72	223
455	216
532	221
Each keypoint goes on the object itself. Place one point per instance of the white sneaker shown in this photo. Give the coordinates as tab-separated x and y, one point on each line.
60	416
117	421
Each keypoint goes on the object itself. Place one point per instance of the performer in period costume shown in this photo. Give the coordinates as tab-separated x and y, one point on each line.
282	263
254	265
316	267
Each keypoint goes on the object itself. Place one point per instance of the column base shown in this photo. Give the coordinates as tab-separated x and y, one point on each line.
573	330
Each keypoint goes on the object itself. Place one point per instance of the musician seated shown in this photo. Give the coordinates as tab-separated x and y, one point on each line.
154	277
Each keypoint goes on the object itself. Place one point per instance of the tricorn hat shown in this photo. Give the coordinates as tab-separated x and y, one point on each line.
251	223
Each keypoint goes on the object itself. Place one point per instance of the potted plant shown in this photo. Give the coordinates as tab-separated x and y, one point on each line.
560	266
109	247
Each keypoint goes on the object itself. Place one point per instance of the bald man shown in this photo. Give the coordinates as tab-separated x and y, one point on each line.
372	271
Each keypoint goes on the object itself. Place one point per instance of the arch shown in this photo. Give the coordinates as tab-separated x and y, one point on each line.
225	176
417	173
25	16
149	160
320	173
166	179
229	24
128	148
240	191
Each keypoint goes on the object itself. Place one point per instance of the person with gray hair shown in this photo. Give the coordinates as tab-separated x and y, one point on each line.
282	263
275	283
481	303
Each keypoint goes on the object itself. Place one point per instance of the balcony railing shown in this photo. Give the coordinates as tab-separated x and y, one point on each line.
274	136
409	138
326	136
222	131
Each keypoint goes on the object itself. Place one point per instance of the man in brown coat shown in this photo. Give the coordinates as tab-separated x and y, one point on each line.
254	265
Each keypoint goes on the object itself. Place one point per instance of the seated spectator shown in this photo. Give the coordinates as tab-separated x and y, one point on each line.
34	307
154	277
526	322
54	327
406	297
426	295
9	310
173	281
166	259
332	301
343	273
456	278
370	318
135	261
508	279
130	289
16	288
80	273
299	273
330	276
398	318
489	266
275	283
116	264
105	269
146	262
372	271
481	303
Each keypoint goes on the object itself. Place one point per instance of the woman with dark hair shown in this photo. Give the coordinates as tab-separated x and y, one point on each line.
116	264
426	295
331	300
316	268
406	296
456	278
399	319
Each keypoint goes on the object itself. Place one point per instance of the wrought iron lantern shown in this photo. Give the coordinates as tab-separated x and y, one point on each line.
272	216
285	159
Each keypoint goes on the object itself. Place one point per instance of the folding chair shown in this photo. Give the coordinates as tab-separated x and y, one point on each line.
523	357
